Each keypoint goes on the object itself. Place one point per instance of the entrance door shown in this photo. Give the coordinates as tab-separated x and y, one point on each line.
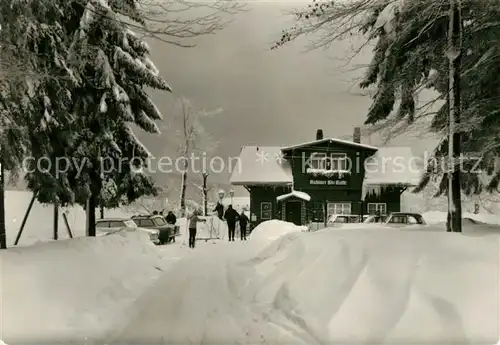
293	212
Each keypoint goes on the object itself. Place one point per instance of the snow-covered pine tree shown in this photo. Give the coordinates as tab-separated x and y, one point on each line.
115	69
32	39
51	126
410	38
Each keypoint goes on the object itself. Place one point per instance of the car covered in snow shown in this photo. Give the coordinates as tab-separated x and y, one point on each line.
107	226
372	218
168	232
397	219
338	219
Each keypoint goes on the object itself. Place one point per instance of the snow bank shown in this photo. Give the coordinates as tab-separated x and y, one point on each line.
435	217
72	289
353	286
273	229
390	286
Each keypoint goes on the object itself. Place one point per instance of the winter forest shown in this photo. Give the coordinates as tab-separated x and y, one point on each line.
75	81
283	240
449	47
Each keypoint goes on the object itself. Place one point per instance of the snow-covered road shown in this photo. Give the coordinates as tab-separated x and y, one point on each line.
201	300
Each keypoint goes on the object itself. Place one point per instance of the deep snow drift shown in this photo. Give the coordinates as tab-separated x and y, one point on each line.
72	289
346	286
274	229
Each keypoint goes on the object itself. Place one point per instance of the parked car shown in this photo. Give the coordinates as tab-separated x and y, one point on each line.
404	218
372	218
397	219
107	226
168	232
337	219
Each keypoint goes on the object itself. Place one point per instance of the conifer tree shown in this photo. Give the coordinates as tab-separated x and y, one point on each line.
115	70
410	39
32	41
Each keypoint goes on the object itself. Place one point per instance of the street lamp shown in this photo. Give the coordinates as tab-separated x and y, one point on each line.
221	194
231	194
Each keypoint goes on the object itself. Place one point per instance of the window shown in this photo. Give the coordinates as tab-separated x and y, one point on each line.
374	207
144	223
102	225
159	221
411	220
265	210
317	161
333	161
130	224
338	208
398	220
116	224
338	162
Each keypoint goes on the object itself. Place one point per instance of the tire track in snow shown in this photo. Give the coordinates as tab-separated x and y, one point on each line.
285	322
382	290
260	314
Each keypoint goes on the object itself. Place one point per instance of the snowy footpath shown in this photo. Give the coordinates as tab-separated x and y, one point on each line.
282	286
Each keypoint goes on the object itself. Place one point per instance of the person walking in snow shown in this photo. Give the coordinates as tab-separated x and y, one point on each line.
171	218
243	219
193	222
219	208
231	217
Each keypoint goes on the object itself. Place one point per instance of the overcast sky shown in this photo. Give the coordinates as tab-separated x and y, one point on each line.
277	97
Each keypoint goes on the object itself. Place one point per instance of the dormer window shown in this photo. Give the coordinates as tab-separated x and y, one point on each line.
332	161
328	164
338	162
318	161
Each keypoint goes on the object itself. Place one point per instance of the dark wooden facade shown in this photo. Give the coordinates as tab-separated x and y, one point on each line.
328	194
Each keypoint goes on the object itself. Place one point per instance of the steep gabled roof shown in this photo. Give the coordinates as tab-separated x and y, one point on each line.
331	140
264	165
392	166
261	165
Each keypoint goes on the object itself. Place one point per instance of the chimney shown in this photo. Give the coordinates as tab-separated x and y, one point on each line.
319	134
356	137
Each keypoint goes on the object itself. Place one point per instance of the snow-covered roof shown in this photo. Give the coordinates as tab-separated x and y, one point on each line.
295	193
265	165
261	165
392	165
331	140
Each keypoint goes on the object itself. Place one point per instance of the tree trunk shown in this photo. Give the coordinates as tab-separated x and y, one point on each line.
91	216
183	188
56	221
205	194
101	209
454	141
3	236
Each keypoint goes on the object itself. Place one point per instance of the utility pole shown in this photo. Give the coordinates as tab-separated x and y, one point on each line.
454	55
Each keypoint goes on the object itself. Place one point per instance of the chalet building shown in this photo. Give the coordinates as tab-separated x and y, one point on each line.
308	182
